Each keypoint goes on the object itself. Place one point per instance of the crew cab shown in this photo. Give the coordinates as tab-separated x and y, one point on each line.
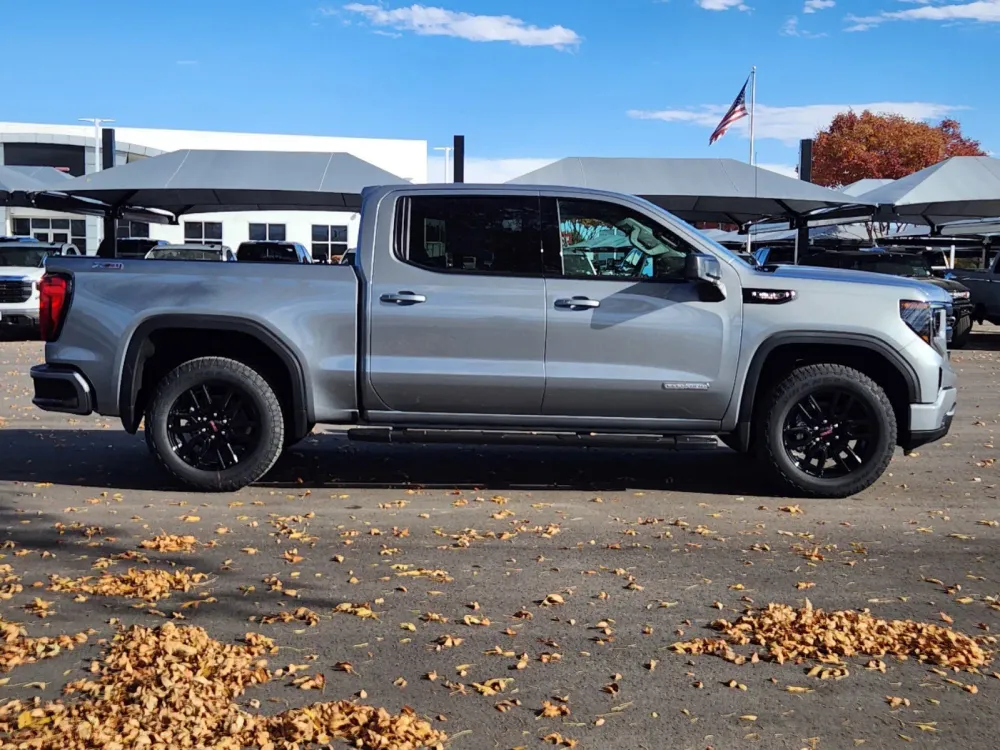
461	320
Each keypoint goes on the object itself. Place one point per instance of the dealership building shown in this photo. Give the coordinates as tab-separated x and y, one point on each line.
71	149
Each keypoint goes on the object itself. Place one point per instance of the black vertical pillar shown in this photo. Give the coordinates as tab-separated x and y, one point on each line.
108	162
459	173
805	173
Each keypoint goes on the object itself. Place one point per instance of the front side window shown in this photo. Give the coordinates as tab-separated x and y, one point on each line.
606	240
474	234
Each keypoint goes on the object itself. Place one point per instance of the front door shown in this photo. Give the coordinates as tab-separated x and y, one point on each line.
628	337
457	309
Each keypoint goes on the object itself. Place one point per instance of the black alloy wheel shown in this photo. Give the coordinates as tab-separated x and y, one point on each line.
825	430
213	426
830	433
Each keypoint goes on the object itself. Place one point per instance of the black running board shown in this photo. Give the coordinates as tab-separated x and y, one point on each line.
498	437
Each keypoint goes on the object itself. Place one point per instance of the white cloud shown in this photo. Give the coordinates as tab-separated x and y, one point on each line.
790	124
723	4
983	11
430	21
812	6
490	171
791	28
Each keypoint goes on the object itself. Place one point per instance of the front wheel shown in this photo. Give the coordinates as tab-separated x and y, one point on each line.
828	431
963	329
215	424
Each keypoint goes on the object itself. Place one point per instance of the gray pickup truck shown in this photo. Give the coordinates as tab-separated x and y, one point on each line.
984	288
475	313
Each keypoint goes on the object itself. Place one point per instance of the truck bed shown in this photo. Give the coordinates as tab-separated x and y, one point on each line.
310	309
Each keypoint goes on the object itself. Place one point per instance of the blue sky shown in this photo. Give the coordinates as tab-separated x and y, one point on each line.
525	81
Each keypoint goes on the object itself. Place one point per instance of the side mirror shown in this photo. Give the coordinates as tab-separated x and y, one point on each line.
702	267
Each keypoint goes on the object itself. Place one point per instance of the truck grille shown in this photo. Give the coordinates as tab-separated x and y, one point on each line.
15	290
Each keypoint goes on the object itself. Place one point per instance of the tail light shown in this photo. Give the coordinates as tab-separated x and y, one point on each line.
54	291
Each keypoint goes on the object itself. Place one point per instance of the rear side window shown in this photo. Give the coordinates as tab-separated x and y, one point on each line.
471	234
267	252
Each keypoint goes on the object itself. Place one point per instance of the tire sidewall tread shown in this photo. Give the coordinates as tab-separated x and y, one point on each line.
189	375
787	393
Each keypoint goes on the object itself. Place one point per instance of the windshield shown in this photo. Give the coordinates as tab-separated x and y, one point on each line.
25	256
911	266
266	251
183	254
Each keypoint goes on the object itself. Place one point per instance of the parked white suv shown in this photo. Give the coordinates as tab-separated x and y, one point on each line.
22	264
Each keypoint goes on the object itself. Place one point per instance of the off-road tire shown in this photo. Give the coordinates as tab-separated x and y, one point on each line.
788	392
963	329
253	386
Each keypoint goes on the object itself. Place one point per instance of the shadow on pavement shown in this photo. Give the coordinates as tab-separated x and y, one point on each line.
114	459
982	341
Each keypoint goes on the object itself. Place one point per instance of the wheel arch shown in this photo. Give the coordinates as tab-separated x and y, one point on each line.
782	352
207	335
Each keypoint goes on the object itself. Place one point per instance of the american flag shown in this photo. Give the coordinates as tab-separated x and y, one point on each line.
736	112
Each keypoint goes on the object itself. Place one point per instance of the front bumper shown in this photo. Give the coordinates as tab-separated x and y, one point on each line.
931	422
61	389
19	318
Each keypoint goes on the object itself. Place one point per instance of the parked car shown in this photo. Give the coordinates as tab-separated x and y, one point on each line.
127	247
269	251
984	287
909	265
453	326
22	265
191	251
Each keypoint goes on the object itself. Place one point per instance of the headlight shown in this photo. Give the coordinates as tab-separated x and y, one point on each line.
960	295
919	316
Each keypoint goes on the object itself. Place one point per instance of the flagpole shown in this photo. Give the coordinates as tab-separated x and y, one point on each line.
753	106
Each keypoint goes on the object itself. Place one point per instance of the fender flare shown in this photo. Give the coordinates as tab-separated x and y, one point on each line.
811	338
139	349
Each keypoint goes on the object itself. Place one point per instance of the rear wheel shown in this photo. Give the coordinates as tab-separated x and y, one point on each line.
828	431
215	424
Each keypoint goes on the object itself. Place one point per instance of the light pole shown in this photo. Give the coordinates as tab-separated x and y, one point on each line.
97	121
447	154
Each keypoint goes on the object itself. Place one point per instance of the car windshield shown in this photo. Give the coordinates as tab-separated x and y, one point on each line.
911	266
183	254
25	256
267	251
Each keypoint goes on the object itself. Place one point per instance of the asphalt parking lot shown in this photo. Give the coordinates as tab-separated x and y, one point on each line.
518	597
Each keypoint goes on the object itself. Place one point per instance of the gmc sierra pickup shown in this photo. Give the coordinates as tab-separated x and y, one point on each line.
476	313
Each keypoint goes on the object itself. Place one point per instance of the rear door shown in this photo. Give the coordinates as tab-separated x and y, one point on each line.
629	338
457	309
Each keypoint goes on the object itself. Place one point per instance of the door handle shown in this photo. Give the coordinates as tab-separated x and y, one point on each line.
403	298
578	303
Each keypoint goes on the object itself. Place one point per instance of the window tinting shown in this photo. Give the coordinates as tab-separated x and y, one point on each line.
60	223
320	233
22	227
606	240
192	230
484	234
213	230
258	232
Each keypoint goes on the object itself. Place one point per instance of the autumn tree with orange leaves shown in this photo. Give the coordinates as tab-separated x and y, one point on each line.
874	146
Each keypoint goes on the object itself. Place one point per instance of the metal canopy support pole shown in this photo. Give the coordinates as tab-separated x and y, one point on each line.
459	158
805	173
108	162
